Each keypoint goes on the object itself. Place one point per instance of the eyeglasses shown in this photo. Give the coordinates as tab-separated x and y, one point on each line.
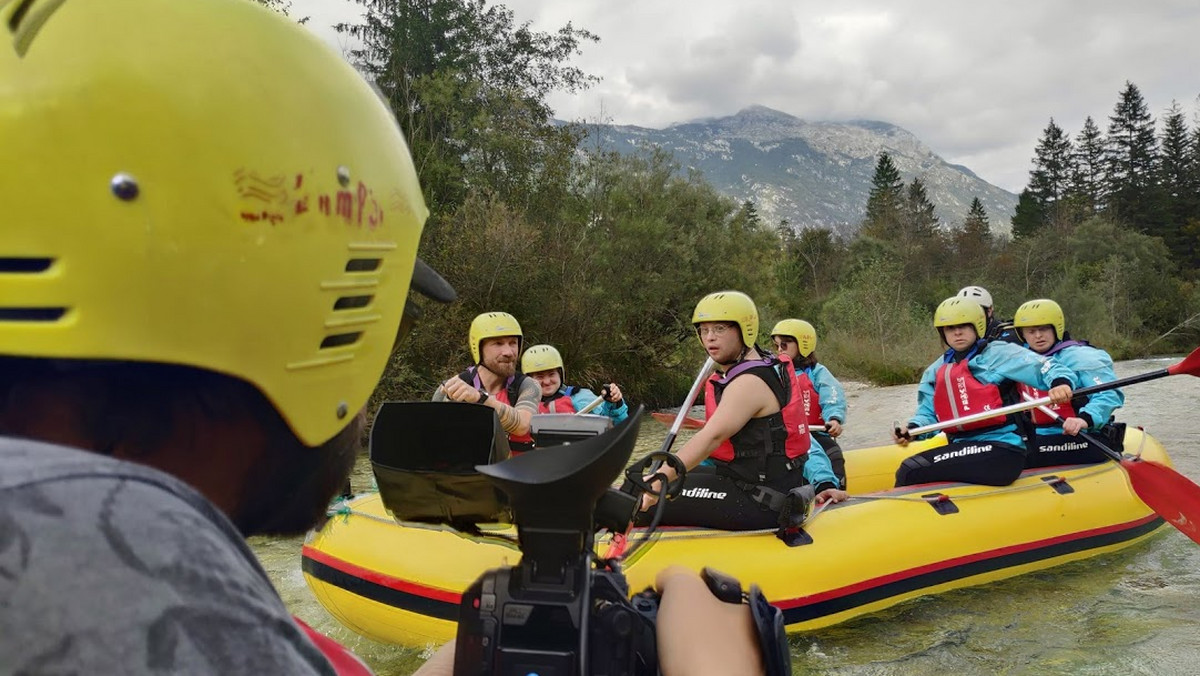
713	330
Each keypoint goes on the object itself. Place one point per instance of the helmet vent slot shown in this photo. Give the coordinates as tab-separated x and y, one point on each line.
14	19
24	265
26	20
363	264
31	314
352	302
340	339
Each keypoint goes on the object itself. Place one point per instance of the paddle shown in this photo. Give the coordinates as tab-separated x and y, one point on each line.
590	407
1170	494
1189	365
617	546
698	385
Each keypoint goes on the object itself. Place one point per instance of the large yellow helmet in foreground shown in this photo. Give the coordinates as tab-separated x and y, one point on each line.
205	184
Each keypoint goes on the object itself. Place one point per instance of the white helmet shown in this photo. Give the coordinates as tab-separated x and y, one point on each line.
976	293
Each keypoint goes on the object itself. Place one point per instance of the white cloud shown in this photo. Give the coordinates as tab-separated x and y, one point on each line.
975	81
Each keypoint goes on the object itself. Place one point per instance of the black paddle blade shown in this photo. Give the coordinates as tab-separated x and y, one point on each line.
1170	494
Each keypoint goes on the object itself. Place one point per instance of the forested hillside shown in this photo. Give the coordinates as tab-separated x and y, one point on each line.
605	255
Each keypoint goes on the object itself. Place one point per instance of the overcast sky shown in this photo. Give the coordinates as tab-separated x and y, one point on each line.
976	81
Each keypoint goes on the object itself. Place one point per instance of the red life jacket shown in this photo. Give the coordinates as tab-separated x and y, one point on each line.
559	402
812	400
345	663
507	395
1066	410
957	393
1041	419
757	438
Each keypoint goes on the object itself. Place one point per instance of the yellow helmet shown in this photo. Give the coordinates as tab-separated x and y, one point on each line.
1041	312
959	310
801	331
729	306
542	358
492	325
204	184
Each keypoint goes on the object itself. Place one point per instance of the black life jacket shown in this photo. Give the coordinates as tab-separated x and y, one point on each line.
509	395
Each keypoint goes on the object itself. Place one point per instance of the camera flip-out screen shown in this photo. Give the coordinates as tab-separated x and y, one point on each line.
424	456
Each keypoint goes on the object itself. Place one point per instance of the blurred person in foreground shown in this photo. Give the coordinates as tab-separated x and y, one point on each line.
201	280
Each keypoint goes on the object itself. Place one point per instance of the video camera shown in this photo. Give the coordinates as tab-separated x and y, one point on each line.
560	610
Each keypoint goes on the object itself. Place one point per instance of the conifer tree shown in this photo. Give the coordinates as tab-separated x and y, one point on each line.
1176	177
750	213
922	243
1053	165
886	200
1087	181
1132	150
919	219
973	242
1029	217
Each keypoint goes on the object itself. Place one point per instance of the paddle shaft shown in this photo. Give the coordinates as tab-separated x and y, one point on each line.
1041	401
617	548
692	394
590	407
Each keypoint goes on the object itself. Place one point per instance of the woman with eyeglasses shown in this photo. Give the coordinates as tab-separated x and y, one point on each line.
824	398
756	432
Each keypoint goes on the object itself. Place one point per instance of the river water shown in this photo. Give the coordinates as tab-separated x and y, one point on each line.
1133	612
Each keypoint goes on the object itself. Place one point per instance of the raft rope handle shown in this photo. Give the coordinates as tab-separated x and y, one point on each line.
1141	443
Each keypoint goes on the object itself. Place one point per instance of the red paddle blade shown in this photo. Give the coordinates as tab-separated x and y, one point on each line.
1170	494
669	419
1190	365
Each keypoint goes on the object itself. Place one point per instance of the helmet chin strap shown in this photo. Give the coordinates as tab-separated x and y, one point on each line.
740	357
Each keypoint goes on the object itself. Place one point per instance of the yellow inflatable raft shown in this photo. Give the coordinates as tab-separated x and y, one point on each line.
401	583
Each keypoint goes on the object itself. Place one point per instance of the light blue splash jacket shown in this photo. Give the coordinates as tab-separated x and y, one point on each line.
582	396
829	391
1092	366
994	363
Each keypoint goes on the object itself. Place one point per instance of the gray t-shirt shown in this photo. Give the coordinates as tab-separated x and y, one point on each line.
110	567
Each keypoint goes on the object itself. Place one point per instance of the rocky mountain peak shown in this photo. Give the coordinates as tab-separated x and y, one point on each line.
812	173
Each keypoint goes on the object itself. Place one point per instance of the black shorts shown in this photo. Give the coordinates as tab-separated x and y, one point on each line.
711	500
1060	449
991	463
